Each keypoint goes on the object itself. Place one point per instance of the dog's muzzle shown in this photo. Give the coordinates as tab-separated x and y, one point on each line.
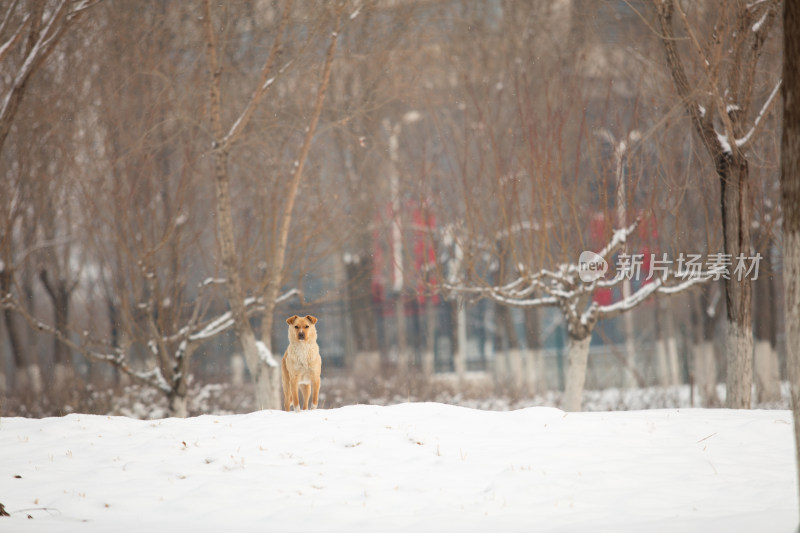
301	336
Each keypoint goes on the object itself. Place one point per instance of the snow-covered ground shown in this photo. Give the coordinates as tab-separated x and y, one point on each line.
408	467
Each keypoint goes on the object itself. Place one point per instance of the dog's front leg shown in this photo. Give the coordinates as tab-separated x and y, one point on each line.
295	397
315	382
306	389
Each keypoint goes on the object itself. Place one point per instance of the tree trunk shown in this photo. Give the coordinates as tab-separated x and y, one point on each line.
14	340
237	370
662	358
15	344
430	337
705	372
629	376
402	332
766	367
460	353
504	326
270	375
534	365
731	166
790	181
225	234
666	346
577	361
738	293
672	346
61	352
359	296
34	374
704	367
59	292
767	373
178	406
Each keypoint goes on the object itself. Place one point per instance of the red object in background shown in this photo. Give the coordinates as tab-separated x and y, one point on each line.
379	266
424	255
421	257
603	296
597	231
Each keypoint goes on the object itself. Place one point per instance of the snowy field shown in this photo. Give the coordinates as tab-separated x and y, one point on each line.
408	467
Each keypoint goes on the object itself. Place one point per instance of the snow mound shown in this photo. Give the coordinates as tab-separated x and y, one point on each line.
420	466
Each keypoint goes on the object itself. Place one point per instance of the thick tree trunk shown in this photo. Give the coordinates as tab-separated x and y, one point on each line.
790	182
732	170
577	361
738	294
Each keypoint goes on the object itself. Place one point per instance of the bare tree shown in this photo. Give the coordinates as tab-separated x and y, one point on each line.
721	106
258	355
568	288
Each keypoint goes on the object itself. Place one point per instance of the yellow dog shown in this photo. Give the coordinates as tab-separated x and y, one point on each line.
301	364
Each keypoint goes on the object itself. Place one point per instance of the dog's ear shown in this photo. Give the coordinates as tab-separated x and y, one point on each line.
311	319
291	319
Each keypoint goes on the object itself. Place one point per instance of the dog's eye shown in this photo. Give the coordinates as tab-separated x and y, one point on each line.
305	327
297	327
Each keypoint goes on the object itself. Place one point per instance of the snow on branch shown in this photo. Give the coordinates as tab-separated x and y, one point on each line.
265	355
572	290
619	238
153	377
225	321
745	140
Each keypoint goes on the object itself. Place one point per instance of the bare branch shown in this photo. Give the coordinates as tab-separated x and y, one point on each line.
744	142
14	39
264	81
7	18
153	378
700	119
290	194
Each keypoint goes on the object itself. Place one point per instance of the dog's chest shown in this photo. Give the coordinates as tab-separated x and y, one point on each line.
301	356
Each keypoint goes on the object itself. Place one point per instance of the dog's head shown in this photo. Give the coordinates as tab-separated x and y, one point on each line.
302	329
